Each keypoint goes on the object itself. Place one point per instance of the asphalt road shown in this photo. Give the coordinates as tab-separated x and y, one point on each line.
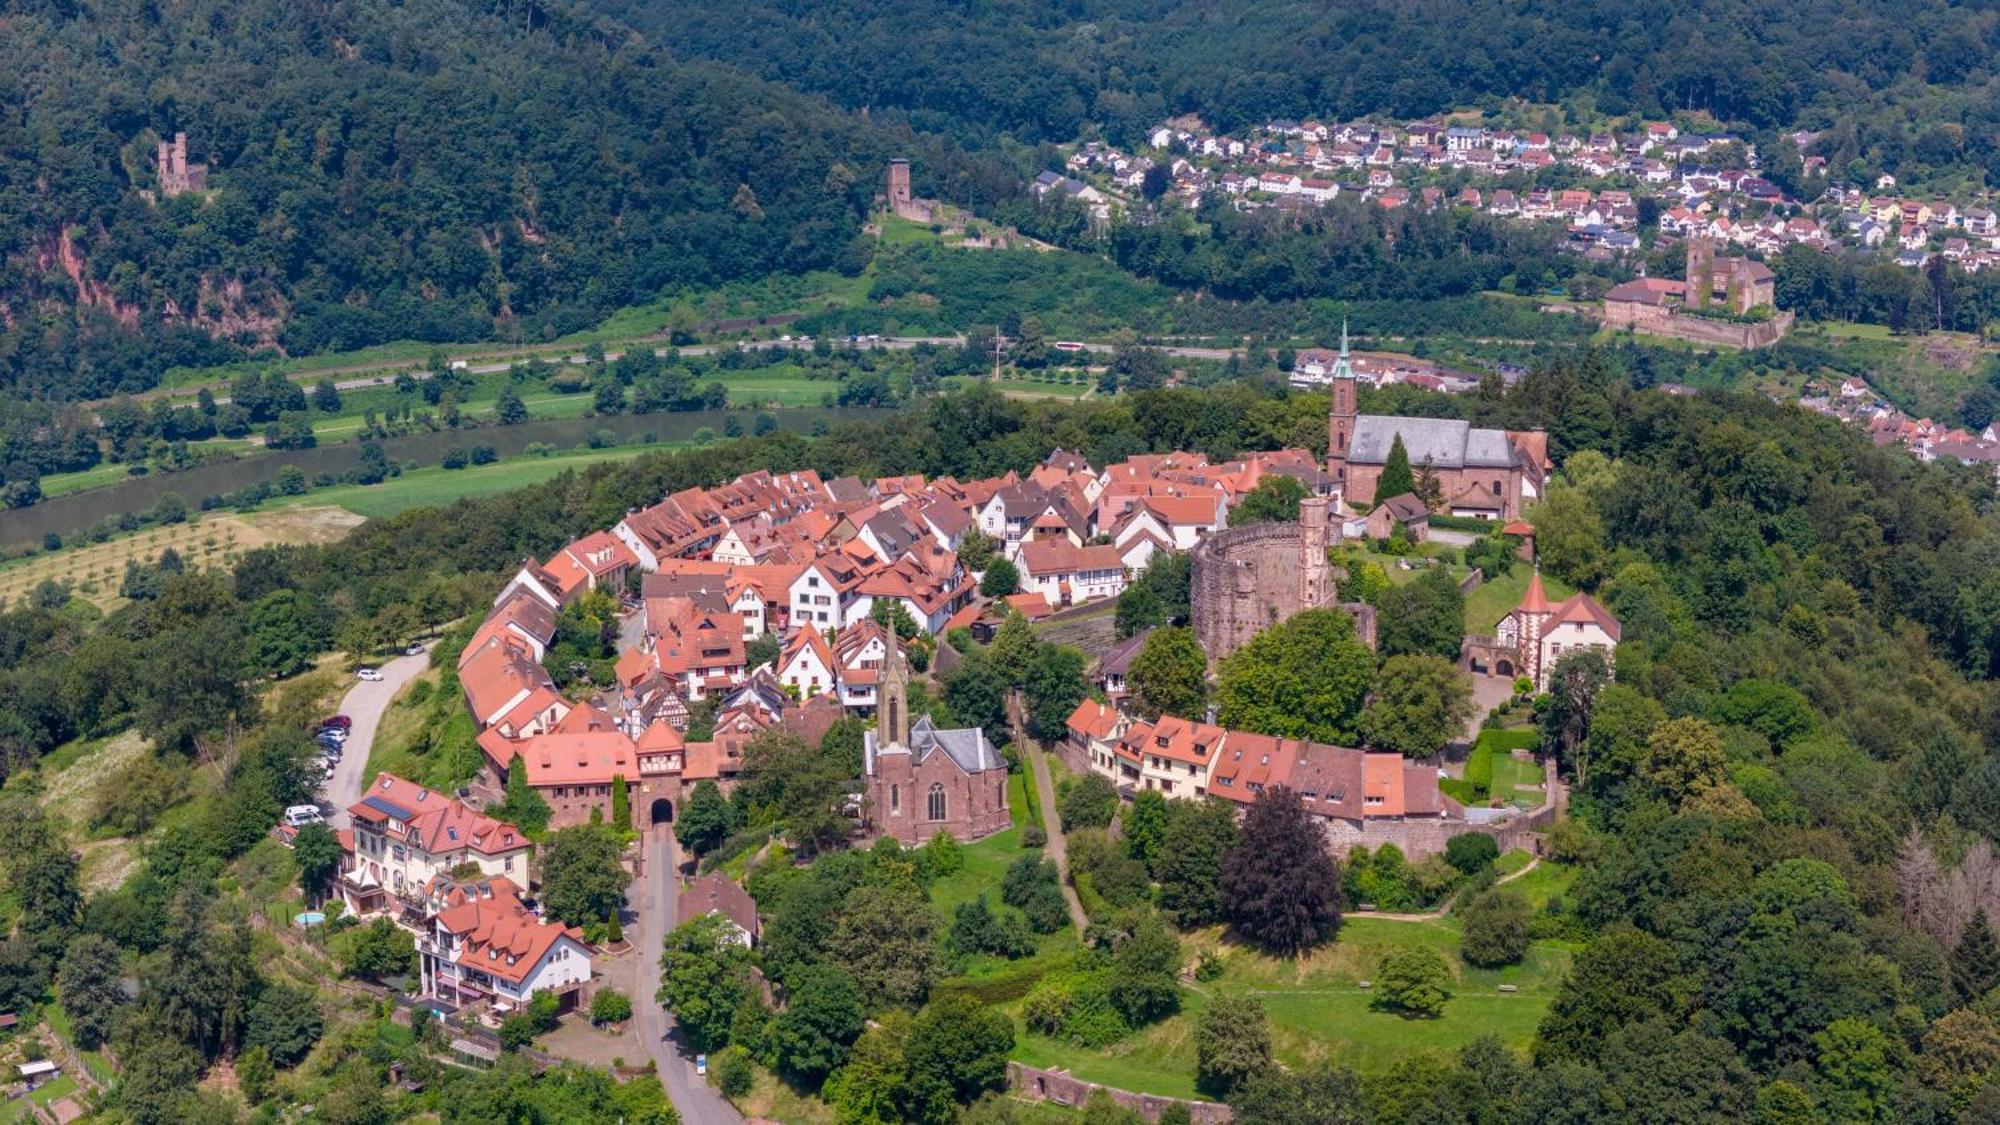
656	890
364	703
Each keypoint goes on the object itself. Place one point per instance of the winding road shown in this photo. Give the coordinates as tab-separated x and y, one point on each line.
656	892
365	703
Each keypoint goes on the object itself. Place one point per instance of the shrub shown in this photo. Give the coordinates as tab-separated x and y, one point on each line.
733	1075
1472	851
1496	929
1032	887
610	1006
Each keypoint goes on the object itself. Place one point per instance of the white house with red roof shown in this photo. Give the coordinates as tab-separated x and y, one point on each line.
406	835
1066	574
1542	631
483	944
806	666
596	561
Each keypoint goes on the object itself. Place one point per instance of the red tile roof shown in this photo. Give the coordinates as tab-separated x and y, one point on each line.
433	821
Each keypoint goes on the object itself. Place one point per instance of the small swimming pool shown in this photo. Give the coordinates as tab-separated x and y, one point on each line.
310	918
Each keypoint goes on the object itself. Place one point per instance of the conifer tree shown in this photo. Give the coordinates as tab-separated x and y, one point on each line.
1396	477
1975	960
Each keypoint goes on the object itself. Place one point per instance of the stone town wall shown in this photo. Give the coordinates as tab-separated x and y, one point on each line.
1063	1088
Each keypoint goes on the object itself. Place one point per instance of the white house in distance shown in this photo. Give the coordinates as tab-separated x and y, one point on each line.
1065	574
482	944
1541	632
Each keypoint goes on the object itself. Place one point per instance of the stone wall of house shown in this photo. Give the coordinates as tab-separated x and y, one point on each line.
1455	483
1063	1088
1074	753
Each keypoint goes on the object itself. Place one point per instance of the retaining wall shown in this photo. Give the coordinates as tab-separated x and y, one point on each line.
1063	1088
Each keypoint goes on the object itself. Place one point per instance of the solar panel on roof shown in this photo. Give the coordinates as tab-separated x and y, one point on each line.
387	807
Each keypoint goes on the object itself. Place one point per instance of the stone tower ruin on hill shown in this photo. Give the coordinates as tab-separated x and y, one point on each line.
176	174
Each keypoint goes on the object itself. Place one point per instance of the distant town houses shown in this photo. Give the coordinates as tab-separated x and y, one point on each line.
1681	174
1853	401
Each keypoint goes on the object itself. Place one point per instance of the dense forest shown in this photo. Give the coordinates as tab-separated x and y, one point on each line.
376	171
1043	72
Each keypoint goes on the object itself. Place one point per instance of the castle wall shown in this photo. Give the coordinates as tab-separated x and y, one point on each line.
1697	329
1245	579
1063	1088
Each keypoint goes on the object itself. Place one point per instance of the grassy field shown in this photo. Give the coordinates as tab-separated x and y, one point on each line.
986	862
1319	1009
1491	601
432	486
94	571
636	324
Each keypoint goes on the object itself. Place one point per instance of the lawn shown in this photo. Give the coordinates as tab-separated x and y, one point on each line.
1495	599
986	861
1513	779
97	476
434	486
1319	1010
1030	388
1492	771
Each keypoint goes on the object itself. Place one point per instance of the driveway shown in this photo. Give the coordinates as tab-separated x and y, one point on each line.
656	890
364	703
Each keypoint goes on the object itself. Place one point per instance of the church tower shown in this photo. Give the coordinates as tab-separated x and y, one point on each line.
1340	420
892	713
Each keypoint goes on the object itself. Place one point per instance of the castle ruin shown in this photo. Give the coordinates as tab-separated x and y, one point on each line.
176	174
896	192
1247	579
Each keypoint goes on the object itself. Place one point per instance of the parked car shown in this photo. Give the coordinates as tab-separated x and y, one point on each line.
701	1064
372	675
298	816
337	722
414	650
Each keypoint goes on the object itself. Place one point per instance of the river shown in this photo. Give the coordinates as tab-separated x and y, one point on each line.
65	515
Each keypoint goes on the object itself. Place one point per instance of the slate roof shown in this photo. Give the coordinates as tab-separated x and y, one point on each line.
966	746
1450	443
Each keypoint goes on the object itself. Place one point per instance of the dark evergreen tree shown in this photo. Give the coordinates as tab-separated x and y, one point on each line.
1975	960
1396	477
1280	888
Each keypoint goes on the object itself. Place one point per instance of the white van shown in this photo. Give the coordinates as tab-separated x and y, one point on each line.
298	816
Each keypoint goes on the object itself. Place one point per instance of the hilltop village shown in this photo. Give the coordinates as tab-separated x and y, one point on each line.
847	586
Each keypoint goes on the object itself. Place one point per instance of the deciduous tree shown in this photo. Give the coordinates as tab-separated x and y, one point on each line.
1414	983
1420	703
1232	1041
1169	676
1280	888
582	877
1304	678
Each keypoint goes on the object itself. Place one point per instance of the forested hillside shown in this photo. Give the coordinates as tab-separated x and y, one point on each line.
428	169
1041	71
